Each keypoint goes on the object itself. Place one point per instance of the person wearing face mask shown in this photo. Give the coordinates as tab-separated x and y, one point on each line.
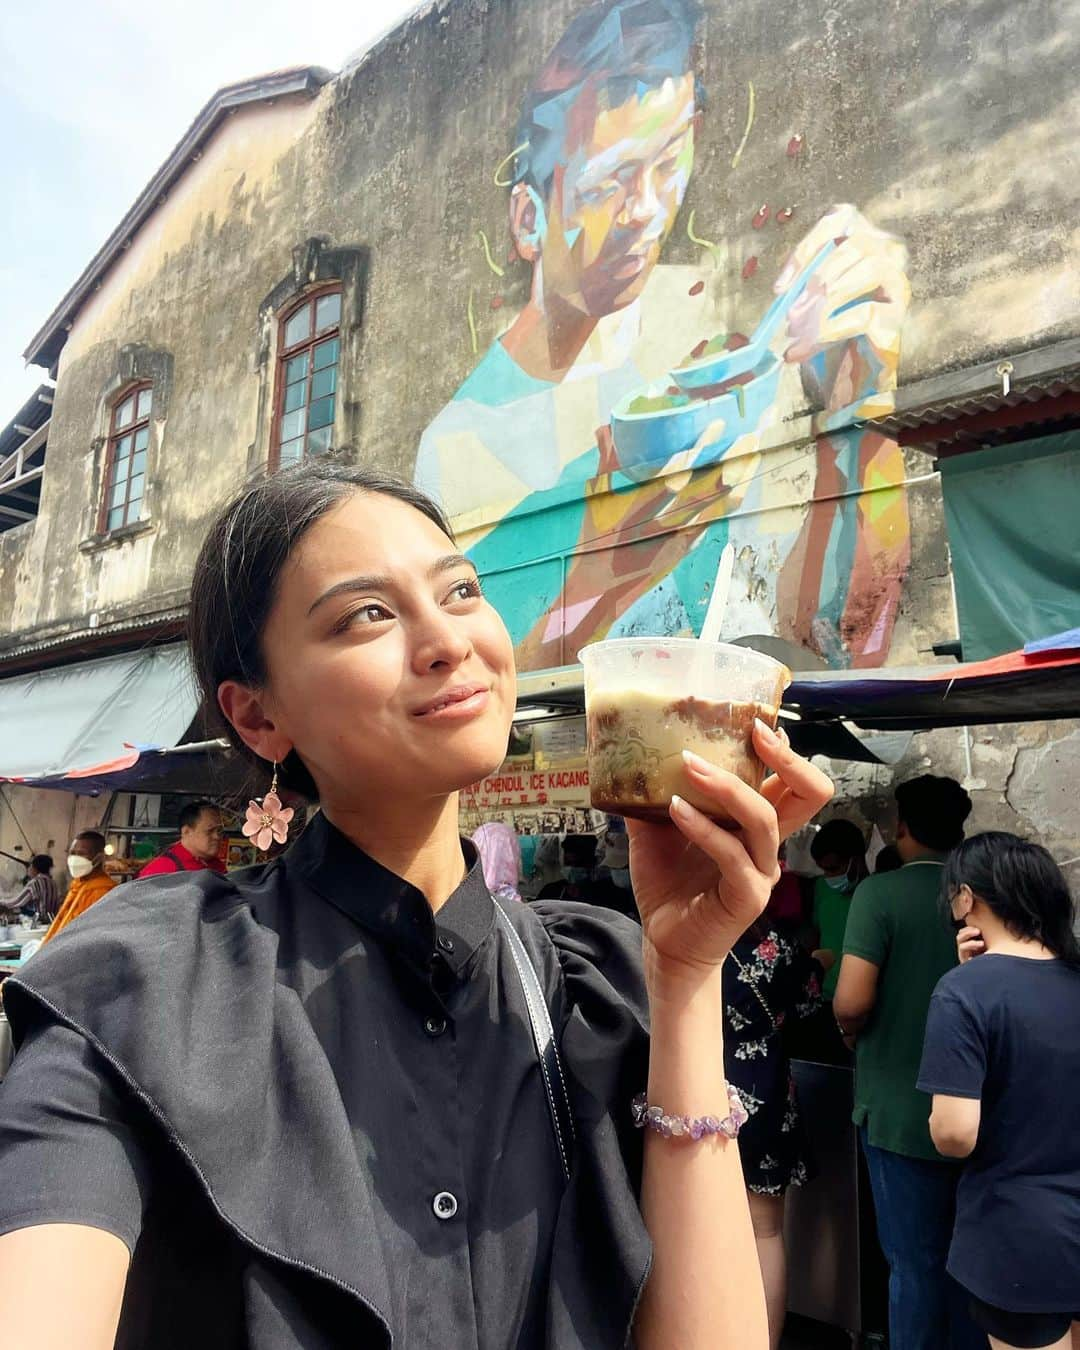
614	890
578	881
1001	1062
839	849
89	882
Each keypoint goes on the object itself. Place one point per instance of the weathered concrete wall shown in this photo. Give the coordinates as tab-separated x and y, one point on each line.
952	128
186	290
1021	778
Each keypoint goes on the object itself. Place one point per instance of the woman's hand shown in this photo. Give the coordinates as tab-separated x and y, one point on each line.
699	885
969	943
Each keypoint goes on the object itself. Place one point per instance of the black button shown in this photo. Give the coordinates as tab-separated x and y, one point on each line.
444	1205
435	1026
447	944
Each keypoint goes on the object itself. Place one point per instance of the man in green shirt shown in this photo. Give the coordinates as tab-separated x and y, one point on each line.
896	947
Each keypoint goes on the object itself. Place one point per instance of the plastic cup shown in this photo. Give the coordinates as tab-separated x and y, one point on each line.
649	699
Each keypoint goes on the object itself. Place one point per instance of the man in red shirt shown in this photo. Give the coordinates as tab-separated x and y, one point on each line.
201	832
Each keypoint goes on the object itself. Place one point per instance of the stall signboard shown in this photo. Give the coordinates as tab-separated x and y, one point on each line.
542	787
532	800
530	787
239	852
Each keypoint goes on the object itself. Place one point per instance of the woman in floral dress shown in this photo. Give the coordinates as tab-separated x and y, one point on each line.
768	981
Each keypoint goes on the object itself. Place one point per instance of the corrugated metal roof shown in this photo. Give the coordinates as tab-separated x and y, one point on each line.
943	408
34	413
17	655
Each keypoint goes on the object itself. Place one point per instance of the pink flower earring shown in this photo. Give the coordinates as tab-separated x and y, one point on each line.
267	822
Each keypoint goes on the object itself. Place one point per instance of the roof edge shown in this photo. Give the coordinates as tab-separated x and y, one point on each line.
45	346
1005	381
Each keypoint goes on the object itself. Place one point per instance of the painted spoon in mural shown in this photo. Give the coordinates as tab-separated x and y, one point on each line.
719	367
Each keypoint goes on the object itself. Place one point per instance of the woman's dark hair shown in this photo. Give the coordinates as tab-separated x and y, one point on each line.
41	862
236	575
1021	884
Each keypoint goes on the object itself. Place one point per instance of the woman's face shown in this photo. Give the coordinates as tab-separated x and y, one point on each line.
387	670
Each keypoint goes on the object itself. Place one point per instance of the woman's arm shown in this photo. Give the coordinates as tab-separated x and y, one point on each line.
698	887
954	1125
705	1287
77	1301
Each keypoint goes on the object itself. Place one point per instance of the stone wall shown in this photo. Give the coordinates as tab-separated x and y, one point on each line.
1021	778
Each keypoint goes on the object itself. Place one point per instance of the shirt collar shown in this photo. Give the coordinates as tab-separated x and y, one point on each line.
391	909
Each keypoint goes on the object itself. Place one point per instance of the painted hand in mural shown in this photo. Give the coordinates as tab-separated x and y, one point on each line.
844	331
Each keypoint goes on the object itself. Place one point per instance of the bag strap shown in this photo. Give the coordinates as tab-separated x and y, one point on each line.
748	976
547	1050
178	861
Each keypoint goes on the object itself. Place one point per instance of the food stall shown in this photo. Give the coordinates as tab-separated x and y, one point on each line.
837	1275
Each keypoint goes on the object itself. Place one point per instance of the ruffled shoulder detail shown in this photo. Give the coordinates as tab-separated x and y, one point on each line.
605	1048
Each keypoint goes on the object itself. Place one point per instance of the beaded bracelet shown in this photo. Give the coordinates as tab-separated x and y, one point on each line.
693	1127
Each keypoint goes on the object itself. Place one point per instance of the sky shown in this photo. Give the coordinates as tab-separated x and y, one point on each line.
93	96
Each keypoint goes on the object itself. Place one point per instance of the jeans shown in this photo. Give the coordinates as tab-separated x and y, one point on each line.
915	1204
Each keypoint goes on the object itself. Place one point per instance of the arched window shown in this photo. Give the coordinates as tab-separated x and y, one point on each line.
125	462
309	347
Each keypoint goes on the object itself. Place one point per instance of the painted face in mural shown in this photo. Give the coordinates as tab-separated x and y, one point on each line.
604	147
613	199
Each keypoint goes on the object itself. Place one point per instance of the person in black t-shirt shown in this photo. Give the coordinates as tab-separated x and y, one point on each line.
1002	1060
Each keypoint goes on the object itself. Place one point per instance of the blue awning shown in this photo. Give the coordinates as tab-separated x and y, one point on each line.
1020	686
95	718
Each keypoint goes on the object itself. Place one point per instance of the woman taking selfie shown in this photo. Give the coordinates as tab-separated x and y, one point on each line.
1002	1060
319	1103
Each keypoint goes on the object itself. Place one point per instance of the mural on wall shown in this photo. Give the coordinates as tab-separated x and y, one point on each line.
614	437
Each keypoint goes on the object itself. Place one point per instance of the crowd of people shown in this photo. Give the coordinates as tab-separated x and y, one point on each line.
853	966
258	1108
201	831
860	967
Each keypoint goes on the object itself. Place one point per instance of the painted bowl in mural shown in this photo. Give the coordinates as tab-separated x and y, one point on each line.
650	427
719	363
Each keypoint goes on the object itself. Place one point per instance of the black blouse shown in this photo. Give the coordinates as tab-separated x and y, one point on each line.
314	1111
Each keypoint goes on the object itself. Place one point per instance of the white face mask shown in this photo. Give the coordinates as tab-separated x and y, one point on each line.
840	883
79	866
